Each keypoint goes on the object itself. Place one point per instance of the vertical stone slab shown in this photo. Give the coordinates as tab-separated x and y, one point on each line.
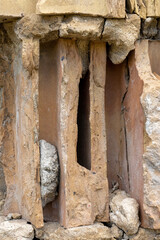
27	129
150	100
83	190
134	128
85	202
7	119
98	129
115	92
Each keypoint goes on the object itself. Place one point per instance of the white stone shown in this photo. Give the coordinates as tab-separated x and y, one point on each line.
16	230
124	212
49	171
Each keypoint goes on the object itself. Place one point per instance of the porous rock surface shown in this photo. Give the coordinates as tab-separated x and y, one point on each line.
82	27
124	212
96	231
15	230
49	171
144	234
144	8
105	8
121	35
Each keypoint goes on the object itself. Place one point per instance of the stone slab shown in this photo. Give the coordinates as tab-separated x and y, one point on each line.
105	8
148	71
97	231
13	9
79	204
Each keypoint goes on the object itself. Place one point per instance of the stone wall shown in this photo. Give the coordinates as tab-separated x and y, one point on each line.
83	76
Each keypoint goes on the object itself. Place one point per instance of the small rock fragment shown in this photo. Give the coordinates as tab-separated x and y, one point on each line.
124	212
12	216
49	170
116	232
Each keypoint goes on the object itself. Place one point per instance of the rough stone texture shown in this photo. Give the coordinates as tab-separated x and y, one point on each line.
153	8
2	177
20	123
81	27
134	124
49	172
121	36
138	7
124	212
115	92
105	8
35	26
144	8
146	66
96	231
149	28
26	128
19	8
79	204
12	216
7	115
144	234
83	48
16	230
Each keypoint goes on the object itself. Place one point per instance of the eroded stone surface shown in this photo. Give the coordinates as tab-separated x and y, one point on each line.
49	170
144	234
38	27
82	27
96	231
80	204
149	28
10	9
12	216
151	104
124	212
121	36
20	123
153	8
138	7
16	230
112	9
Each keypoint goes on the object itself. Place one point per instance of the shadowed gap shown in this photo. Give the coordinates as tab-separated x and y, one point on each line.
84	135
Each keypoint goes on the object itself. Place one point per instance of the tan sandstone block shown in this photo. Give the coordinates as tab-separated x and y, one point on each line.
82	27
121	35
138	7
105	8
20	142
11	8
153	8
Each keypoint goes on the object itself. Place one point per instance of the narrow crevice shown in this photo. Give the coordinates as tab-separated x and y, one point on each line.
123	109
83	122
125	134
35	238
103	29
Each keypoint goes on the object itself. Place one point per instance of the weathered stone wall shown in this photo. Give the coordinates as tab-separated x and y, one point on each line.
83	76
